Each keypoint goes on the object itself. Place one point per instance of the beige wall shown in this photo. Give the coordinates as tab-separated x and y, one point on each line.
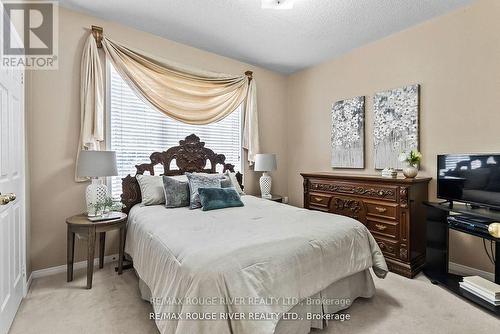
54	120
456	60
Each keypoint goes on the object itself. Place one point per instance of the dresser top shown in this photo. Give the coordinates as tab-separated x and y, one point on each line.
366	177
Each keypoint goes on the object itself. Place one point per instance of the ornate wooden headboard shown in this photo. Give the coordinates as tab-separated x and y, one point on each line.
190	156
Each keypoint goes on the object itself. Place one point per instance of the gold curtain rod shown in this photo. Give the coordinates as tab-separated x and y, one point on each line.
97	32
249	74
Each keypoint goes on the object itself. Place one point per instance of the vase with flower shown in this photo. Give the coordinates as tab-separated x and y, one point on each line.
412	160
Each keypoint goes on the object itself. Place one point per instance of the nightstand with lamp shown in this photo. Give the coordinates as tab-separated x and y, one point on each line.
95	164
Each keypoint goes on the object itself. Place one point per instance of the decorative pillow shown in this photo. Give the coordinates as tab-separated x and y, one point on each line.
219	198
151	189
176	192
182	178
234	182
199	180
226	182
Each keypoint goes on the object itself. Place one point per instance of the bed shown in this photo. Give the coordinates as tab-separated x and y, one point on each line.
265	267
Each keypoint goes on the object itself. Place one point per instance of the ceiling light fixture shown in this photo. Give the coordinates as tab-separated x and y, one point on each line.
277	4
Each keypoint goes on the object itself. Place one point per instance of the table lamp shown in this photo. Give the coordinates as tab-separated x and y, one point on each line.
265	163
95	164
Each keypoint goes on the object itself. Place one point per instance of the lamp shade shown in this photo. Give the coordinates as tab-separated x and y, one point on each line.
96	164
265	162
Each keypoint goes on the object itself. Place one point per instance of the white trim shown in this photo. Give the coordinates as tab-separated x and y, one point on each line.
78	265
24	162
460	269
27	286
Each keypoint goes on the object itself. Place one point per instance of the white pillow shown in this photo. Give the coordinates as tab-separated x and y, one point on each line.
152	192
234	181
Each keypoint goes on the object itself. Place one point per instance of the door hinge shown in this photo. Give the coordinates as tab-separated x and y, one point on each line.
22	78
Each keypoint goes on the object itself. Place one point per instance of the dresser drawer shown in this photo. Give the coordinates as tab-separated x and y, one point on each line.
388	247
388	229
383	210
319	200
374	191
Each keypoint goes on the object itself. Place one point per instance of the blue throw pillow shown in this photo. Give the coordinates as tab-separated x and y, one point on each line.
219	198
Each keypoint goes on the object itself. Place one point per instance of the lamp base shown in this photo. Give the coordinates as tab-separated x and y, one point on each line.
96	192
265	185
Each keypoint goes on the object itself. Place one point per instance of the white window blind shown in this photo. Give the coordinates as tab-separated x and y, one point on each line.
137	130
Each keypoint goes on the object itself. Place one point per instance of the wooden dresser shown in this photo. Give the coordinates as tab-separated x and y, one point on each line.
392	209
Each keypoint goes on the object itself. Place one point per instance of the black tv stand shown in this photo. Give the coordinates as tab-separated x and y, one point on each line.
436	262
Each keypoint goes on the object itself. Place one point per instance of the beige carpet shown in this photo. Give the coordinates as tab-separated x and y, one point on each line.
114	306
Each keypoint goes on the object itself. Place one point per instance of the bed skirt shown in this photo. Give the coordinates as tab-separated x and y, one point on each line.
338	296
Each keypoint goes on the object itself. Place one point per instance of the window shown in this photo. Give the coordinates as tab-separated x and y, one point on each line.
135	130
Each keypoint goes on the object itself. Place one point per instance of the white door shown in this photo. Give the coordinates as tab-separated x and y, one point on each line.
12	180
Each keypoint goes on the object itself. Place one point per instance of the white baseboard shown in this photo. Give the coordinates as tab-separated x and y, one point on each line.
460	269
60	269
28	285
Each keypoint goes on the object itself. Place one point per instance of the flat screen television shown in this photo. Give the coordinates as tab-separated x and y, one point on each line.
469	178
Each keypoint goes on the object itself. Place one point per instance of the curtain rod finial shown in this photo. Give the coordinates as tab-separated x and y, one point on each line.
97	32
249	74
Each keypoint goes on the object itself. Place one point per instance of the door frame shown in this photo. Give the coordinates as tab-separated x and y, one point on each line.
24	160
23	163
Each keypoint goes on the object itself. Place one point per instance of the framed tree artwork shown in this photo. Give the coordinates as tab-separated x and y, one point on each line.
395	125
347	137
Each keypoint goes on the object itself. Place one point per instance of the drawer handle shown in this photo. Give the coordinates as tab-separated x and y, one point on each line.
318	199
380	210
380	227
384	247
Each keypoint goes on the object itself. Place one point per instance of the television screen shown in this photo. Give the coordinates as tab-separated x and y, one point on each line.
470	178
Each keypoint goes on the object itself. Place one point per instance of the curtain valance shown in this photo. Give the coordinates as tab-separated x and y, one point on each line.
186	94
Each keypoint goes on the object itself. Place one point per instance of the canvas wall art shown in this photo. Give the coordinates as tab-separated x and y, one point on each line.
347	138
395	127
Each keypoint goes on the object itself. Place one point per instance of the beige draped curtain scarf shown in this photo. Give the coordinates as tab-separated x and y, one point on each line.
91	101
186	94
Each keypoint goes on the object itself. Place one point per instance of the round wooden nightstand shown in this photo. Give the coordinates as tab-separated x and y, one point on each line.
87	229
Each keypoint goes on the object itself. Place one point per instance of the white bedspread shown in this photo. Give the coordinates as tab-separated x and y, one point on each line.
265	253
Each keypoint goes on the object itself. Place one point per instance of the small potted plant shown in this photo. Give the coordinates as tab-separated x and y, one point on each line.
412	159
105	206
98	208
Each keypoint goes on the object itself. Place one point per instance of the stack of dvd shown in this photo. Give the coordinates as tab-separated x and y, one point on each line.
482	288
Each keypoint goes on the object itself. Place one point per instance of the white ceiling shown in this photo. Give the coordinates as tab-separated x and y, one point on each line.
281	40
